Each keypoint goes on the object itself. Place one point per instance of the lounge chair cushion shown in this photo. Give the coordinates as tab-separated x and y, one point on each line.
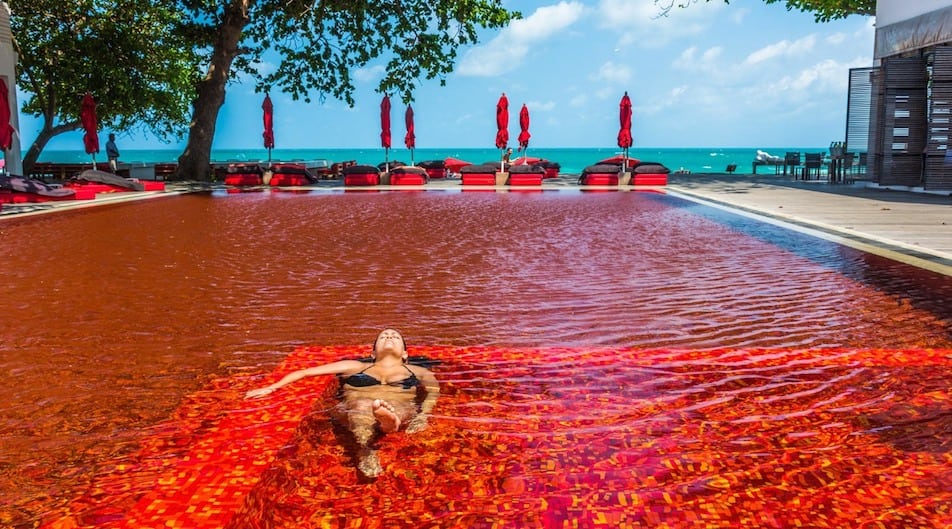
651	168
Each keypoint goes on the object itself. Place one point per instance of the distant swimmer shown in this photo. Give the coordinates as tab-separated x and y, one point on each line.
379	395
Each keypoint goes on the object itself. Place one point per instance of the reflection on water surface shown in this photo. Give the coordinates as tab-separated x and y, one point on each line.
120	312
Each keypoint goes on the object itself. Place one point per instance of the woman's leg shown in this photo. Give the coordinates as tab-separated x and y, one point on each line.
360	419
363	415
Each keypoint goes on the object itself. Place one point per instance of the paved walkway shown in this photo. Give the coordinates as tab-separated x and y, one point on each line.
911	227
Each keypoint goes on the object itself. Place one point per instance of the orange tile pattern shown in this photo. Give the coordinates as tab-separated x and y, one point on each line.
565	438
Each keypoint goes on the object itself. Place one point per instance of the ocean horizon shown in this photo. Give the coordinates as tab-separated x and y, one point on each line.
571	159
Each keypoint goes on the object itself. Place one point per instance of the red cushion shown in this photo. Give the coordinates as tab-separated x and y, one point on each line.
407	179
525	179
600	179
289	179
479	179
649	179
96	187
362	179
21	198
151	185
551	172
436	172
243	179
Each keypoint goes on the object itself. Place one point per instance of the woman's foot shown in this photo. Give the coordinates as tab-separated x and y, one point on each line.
386	416
369	465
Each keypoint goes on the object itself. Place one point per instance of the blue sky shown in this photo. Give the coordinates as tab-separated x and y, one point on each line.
711	75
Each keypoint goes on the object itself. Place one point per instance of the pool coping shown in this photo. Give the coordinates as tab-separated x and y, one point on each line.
920	257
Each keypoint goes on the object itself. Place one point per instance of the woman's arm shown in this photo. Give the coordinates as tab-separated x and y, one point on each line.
333	368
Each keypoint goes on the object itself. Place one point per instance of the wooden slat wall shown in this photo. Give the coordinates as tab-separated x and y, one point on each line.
859	108
874	160
903	121
938	169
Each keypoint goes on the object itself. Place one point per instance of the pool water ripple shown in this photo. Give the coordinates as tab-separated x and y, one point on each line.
114	315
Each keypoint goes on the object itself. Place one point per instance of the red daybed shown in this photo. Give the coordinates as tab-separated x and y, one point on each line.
650	174
599	175
408	176
434	168
479	175
290	174
19	190
244	174
361	175
551	169
526	175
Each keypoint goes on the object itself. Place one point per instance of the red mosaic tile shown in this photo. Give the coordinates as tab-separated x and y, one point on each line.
614	438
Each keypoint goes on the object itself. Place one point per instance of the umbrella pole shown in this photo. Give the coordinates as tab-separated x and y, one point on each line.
386	159
411	157
94	161
269	158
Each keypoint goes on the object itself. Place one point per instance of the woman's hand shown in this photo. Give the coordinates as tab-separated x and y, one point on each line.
260	392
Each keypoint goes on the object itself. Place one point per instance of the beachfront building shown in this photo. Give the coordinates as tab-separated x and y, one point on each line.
899	110
8	63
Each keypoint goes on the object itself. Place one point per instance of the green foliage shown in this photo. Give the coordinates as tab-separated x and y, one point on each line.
322	43
132	55
823	10
827	10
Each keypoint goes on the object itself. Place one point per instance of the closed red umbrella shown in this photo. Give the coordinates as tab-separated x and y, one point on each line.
502	124
87	115
624	119
410	139
6	130
268	117
524	126
385	128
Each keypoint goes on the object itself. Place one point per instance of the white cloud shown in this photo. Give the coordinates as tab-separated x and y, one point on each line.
507	50
690	60
784	48
371	73
672	98
641	23
540	106
613	73
836	38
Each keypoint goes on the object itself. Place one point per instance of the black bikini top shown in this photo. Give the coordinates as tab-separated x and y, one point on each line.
362	380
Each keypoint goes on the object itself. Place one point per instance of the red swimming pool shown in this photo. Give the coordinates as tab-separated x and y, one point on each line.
618	358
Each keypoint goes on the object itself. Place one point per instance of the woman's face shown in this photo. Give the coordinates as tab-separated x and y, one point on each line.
391	341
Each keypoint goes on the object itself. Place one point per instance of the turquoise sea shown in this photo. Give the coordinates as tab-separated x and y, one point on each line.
572	160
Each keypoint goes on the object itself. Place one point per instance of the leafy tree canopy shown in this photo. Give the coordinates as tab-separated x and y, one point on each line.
316	45
129	54
823	10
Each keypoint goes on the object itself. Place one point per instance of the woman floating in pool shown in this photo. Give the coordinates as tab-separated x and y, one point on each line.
379	395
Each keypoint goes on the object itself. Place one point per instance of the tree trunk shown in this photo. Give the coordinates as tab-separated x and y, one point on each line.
46	134
195	161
